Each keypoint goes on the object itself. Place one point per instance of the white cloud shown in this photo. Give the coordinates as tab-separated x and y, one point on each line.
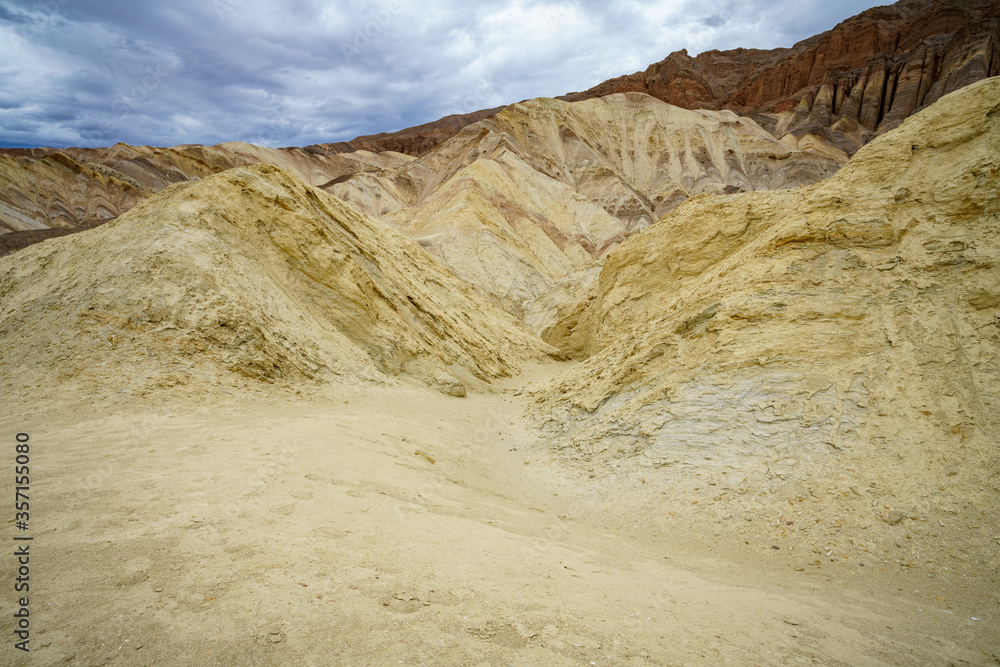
304	71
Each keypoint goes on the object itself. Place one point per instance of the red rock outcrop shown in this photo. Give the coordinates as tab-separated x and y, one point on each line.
416	141
841	87
830	93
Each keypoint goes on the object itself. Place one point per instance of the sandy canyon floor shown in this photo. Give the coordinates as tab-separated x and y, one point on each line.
395	525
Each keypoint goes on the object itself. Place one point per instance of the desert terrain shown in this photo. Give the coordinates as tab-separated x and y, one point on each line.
273	529
689	369
285	449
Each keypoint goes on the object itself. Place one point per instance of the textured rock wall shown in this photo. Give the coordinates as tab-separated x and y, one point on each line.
79	188
519	202
859	317
248	273
833	92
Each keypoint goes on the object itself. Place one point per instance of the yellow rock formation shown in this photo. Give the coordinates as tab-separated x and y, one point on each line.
520	202
254	272
850	325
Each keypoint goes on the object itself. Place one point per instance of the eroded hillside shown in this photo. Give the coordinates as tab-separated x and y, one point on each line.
246	274
45	193
841	337
517	203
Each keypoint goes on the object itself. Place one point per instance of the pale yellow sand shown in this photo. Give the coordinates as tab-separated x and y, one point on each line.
261	530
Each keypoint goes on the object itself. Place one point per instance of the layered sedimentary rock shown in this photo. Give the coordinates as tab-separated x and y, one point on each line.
851	324
54	195
831	93
248	273
75	188
417	140
519	202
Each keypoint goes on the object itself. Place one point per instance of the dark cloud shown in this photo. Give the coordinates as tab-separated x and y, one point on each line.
90	72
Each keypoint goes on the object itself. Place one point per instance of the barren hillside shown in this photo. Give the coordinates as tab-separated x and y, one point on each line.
246	274
836	338
45	193
519	202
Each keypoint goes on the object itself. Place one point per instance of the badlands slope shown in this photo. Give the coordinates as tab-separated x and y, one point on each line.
46	193
829	94
250	445
249	272
837	343
834	92
517	203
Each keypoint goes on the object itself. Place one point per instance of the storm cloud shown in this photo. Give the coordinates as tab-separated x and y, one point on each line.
96	72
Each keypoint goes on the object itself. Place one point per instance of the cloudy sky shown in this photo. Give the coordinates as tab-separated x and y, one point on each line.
297	72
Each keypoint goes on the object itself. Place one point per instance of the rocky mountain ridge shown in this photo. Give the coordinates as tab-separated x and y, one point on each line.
830	93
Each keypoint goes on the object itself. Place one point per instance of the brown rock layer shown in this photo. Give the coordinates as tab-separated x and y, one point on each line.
829	93
417	140
841	87
42	189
